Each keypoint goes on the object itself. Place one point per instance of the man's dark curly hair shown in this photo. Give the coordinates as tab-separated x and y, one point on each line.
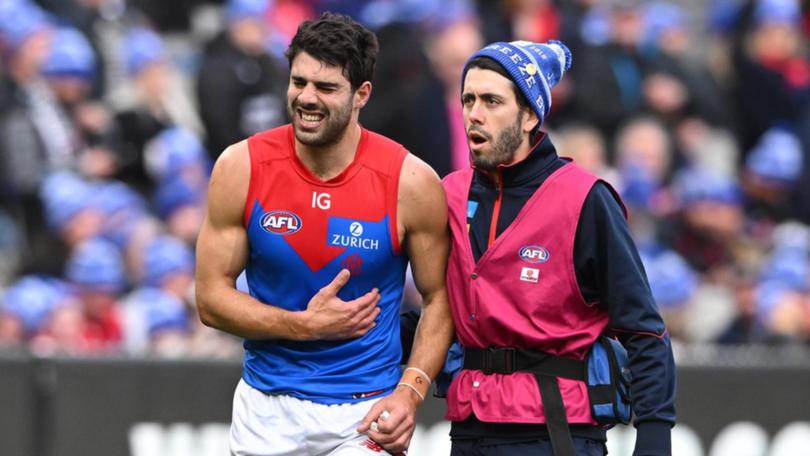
338	40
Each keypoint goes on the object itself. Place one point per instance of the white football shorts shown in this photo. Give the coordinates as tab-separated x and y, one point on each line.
278	425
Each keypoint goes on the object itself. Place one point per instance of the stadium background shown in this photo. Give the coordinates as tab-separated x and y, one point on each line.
112	111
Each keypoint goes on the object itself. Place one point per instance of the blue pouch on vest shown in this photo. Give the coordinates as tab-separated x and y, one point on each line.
609	376
452	366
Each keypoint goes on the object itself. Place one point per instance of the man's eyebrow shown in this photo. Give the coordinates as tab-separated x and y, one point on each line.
326	85
319	84
485	96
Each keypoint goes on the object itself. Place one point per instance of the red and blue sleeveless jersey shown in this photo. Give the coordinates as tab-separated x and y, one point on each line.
301	232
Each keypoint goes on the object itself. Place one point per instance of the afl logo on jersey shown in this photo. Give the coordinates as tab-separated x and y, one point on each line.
533	254
281	222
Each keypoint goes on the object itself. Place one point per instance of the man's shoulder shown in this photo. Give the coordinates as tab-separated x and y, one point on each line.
456	179
383	154
418	180
273	143
422	200
379	141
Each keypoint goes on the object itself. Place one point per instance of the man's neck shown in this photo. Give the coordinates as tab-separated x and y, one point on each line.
329	161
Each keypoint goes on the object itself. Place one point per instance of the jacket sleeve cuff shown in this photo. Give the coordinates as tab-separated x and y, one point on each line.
653	438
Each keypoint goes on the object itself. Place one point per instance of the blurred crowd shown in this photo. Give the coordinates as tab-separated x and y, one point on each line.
112	113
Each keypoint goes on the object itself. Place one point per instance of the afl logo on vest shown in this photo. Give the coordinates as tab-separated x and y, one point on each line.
281	222
533	254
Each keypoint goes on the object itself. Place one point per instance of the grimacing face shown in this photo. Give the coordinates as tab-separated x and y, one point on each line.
319	101
496	125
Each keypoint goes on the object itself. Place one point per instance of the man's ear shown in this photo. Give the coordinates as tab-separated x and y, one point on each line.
362	94
531	121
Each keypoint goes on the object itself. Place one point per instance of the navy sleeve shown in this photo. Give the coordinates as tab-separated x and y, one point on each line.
609	271
408	321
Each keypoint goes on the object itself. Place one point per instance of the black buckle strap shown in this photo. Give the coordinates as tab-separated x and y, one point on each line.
546	369
556	420
508	360
500	360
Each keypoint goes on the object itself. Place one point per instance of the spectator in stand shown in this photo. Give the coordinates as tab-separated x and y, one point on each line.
156	323
644	158
416	79
781	294
676	86
745	326
772	170
26	305
169	268
177	153
448	51
70	67
673	283
127	222
773	71
710	221
33	137
168	265
104	23
69	209
70	70
608	78
158	103
182	207
71	217
586	146
784	311
96	269
240	87
535	20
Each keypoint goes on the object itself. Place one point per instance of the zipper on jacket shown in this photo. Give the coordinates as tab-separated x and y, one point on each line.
496	209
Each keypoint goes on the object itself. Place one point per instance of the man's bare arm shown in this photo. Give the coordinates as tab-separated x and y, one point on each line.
422	212
222	253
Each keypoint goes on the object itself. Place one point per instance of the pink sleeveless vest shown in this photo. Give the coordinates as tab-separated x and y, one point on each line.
522	293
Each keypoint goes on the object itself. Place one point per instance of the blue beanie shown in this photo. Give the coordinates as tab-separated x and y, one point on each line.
64	194
176	193
777	157
19	21
660	17
32	298
535	68
97	264
172	150
777	11
166	255
245	9
638	187
160	310
671	279
695	185
116	196
788	267
123	208
70	55
142	47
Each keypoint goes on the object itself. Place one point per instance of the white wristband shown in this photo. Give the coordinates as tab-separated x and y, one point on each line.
413	388
424	374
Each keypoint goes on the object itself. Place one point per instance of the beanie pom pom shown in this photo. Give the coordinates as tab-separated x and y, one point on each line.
566	53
